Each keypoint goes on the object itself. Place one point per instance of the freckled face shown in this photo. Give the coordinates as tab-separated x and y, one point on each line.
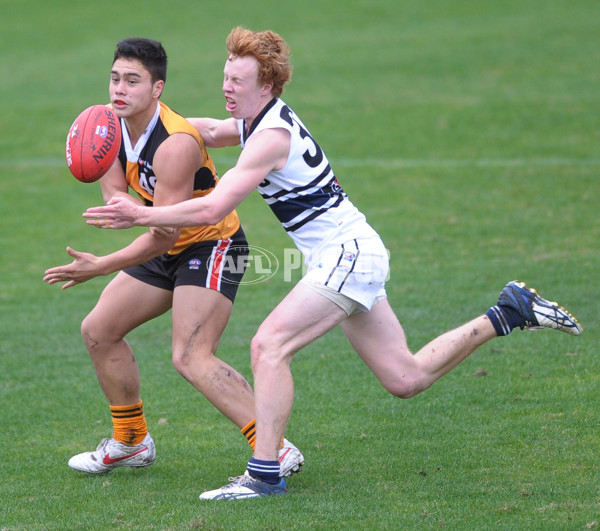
244	96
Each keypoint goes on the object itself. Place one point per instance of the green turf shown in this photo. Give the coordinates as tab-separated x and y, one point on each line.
467	131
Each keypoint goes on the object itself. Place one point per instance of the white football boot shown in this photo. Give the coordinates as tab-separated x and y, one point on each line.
536	311
111	454
244	487
290	459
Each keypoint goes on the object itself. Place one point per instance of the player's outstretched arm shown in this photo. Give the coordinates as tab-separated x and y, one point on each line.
119	213
266	152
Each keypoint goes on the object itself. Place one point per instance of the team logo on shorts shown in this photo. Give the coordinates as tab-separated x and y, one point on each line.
195	263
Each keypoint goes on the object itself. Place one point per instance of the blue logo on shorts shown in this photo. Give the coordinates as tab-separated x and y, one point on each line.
195	263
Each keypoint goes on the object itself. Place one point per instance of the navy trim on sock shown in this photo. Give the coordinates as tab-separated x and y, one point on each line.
504	319
498	320
267	471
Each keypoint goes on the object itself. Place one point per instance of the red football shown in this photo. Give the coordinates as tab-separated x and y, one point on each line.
93	143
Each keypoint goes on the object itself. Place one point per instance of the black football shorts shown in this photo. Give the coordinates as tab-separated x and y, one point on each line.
212	264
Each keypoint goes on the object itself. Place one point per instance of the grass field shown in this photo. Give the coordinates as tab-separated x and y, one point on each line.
467	131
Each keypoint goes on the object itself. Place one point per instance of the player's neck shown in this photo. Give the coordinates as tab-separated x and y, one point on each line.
136	125
255	118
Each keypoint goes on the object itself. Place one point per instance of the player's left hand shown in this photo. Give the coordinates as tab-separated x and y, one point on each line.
118	213
84	267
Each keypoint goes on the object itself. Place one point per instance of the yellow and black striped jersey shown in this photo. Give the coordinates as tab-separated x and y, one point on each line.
137	162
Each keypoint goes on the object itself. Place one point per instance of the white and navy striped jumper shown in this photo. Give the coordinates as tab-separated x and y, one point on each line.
305	195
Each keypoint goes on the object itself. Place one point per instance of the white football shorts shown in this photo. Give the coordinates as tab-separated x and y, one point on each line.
351	274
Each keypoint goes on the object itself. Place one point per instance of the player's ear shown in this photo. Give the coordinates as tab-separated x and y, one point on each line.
158	88
267	87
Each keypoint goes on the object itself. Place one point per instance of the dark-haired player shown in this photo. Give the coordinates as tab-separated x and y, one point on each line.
164	160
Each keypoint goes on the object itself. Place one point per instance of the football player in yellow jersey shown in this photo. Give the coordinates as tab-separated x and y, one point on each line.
164	159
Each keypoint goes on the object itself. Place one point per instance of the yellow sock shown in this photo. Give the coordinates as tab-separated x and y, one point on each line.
249	431
129	424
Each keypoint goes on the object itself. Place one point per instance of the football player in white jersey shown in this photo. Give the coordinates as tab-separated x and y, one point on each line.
346	261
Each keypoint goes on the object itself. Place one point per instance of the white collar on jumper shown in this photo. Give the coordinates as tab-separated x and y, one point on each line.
133	154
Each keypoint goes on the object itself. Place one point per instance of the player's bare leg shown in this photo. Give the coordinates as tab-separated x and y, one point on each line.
297	321
199	318
379	339
125	304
